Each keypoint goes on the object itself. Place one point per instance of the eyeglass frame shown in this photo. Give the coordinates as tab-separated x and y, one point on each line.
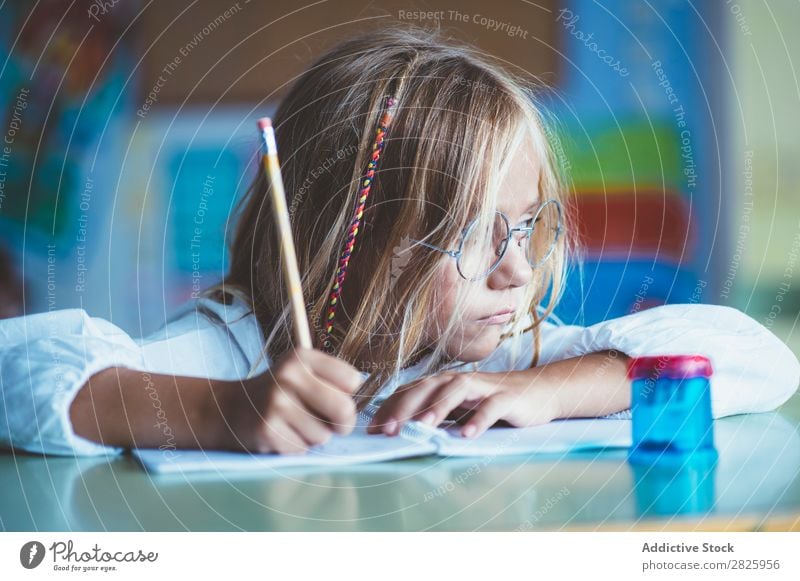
457	253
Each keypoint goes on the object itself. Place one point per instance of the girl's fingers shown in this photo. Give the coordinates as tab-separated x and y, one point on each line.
338	373
444	400
464	391
461	414
319	398
310	428
470	404
282	438
403	404
492	409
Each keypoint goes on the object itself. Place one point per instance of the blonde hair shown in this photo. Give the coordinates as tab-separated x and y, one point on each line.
459	121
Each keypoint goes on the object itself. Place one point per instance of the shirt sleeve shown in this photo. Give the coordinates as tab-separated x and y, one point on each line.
44	361
753	370
46	358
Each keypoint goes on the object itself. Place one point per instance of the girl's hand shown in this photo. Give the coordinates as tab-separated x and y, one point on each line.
475	399
299	403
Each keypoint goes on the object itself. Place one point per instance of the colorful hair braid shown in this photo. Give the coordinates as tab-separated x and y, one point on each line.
366	185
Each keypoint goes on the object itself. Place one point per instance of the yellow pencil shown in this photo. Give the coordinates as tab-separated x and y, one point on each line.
289	257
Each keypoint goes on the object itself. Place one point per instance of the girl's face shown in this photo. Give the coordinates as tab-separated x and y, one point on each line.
481	322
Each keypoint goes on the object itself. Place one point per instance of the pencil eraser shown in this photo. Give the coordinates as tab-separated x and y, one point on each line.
263	123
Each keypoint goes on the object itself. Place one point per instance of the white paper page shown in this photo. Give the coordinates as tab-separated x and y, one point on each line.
416	439
557	437
352	449
356	448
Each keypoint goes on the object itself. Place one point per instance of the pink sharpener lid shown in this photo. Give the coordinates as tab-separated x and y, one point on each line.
672	366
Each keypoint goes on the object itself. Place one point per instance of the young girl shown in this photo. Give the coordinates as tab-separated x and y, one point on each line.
424	278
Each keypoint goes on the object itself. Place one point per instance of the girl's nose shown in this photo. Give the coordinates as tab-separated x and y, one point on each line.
513	270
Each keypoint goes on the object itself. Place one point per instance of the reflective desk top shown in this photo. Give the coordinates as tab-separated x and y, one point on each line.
755	485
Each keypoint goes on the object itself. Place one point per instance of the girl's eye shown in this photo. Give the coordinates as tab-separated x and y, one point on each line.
529	222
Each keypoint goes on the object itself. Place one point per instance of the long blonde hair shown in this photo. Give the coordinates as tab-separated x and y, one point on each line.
459	121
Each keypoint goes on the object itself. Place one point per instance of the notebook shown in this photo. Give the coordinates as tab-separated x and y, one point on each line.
415	439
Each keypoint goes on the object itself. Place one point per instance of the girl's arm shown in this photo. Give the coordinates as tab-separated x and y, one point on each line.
588	386
125	408
582	387
753	370
44	360
65	375
299	403
582	369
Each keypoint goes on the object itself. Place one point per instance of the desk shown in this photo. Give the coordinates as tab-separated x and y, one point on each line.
755	485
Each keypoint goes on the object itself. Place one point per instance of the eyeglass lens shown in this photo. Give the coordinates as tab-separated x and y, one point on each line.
482	251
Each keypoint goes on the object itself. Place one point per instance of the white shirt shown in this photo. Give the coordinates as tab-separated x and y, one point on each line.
46	358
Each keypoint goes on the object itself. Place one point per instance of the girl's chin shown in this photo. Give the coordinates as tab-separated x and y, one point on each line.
481	346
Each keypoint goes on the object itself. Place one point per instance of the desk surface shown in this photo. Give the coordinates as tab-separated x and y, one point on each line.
755	484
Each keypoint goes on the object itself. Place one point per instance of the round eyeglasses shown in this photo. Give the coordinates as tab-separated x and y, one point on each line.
480	253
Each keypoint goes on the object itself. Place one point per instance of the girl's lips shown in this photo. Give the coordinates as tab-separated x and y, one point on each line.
496	319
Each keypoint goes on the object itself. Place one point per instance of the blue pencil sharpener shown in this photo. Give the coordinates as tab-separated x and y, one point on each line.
671	409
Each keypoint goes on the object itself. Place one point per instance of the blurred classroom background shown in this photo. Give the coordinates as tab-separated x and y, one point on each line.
129	134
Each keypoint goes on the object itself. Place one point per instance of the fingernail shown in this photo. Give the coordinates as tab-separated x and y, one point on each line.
390	427
468	431
428	418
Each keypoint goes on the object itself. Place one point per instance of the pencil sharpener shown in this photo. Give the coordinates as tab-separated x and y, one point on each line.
671	409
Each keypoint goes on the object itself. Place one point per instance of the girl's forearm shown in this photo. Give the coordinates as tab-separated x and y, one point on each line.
127	408
588	386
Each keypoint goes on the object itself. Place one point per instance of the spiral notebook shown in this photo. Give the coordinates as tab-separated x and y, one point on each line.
414	439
